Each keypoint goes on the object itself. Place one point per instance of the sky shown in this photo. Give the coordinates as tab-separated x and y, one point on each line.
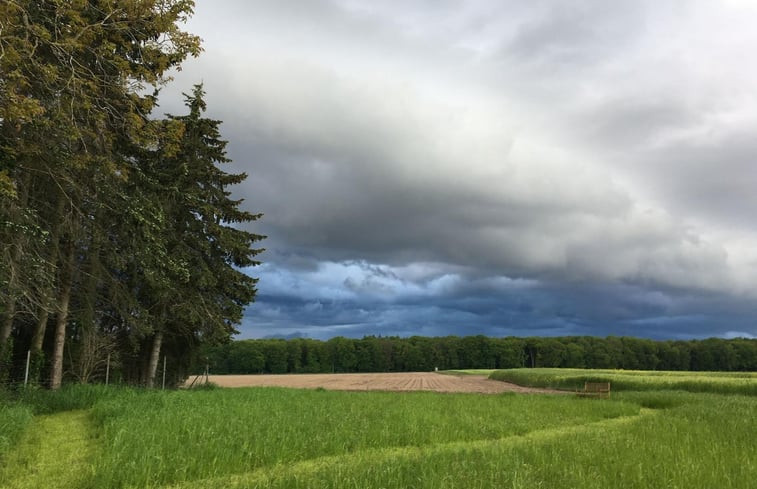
526	168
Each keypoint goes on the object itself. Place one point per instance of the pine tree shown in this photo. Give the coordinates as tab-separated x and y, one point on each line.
206	249
72	80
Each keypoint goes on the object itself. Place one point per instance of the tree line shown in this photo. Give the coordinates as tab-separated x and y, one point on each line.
120	240
394	354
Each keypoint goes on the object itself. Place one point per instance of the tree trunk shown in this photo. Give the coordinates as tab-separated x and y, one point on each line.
37	356
87	361
152	365
10	308
67	272
5	345
40	328
6	327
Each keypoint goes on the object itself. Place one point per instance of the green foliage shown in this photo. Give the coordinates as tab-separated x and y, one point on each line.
205	386
117	227
393	354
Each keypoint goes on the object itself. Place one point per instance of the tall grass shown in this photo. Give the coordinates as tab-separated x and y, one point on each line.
157	438
69	397
707	441
632	380
14	419
470	371
285	438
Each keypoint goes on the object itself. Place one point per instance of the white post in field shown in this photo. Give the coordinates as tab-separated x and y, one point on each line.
26	375
164	372
107	370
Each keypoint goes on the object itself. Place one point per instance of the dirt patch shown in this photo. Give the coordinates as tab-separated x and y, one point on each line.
406	381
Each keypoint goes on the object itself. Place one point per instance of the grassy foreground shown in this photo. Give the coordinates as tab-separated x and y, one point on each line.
279	438
13	421
54	453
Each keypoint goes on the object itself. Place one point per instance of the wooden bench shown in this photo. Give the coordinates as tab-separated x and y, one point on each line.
600	390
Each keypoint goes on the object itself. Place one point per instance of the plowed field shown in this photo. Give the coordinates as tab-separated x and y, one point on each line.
407	381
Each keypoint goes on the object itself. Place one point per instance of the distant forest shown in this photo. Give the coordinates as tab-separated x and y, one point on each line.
394	354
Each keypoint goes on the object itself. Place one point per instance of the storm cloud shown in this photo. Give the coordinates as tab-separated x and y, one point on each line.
542	168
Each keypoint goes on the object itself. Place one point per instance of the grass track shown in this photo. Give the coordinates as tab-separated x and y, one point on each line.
704	442
282	438
156	439
53	453
287	475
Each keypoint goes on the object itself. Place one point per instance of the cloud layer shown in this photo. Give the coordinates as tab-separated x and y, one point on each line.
492	167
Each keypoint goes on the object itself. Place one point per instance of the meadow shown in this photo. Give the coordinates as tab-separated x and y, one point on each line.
633	380
95	437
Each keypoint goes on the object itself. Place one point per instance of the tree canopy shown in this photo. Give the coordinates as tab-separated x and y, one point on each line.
417	353
120	236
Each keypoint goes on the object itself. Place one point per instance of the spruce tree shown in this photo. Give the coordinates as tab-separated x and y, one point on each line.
205	245
72	95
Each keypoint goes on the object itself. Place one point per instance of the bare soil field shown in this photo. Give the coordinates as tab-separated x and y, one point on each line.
406	381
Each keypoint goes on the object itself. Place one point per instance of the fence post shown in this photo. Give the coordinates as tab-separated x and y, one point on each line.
164	371
107	369
28	359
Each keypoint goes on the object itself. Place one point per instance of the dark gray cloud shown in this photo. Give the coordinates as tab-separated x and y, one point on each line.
491	167
398	301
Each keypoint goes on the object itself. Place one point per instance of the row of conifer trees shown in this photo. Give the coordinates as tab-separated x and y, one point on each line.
120	240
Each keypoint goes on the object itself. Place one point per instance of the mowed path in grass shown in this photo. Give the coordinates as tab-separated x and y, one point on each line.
54	453
286	475
278	438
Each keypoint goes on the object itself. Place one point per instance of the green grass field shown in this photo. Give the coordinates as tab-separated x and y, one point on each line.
13	422
633	380
480	371
93	437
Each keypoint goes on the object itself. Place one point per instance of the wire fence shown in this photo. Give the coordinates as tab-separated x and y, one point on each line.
26	373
